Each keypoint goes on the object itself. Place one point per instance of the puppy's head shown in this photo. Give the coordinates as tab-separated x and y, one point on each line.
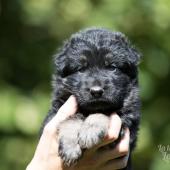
99	67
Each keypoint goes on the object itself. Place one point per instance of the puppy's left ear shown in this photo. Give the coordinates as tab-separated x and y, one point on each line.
135	55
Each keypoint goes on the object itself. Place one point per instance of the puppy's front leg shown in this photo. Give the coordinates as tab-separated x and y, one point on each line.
93	130
69	148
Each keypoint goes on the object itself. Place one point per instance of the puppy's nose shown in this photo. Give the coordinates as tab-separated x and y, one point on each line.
96	91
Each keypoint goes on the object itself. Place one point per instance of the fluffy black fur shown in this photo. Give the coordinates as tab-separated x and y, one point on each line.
99	68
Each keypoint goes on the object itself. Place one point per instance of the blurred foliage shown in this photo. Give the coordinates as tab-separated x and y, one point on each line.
31	31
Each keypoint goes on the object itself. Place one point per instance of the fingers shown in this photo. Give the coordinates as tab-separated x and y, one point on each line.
67	109
114	127
117	158
121	149
113	131
123	146
116	163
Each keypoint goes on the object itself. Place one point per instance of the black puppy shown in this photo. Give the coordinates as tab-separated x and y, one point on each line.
99	68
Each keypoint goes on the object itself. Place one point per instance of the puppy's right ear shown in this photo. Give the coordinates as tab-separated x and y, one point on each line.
61	60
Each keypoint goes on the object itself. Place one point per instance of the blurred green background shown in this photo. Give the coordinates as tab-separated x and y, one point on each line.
32	30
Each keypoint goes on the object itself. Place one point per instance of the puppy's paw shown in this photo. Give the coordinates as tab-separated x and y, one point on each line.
93	130
91	135
69	151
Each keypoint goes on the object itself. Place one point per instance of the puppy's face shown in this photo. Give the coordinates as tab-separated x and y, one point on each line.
98	67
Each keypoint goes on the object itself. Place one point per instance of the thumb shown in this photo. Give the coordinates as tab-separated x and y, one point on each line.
46	143
67	109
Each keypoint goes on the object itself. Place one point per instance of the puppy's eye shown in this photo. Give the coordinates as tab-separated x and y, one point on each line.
82	69
83	60
111	67
109	56
109	62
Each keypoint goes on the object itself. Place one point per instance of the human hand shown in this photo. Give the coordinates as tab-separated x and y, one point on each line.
101	157
96	158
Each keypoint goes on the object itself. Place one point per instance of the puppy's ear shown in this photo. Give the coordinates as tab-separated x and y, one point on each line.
134	55
60	59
